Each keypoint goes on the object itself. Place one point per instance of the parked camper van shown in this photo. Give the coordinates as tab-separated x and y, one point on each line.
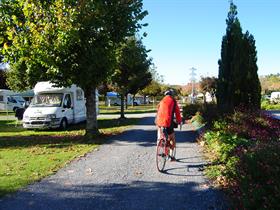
54	107
275	97
10	101
113	98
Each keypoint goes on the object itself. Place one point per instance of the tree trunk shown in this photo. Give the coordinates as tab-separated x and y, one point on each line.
204	98
133	98
144	99
122	106
126	102
91	126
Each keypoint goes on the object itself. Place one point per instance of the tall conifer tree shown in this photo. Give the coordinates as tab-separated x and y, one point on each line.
238	81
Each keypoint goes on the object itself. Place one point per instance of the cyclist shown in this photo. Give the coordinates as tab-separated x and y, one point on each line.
165	117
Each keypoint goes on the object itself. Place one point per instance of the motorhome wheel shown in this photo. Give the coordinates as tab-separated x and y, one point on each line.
63	124
15	109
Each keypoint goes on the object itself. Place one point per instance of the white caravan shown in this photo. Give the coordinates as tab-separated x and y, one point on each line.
114	98
10	101
275	97
54	107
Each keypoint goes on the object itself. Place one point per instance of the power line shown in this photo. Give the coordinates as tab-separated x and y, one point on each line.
193	80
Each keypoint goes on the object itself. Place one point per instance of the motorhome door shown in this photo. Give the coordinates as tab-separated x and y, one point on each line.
11	103
2	103
68	108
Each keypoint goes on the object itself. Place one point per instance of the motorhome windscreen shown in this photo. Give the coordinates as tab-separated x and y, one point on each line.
19	98
47	99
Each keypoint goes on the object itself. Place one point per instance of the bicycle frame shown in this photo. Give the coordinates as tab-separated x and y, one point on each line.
163	150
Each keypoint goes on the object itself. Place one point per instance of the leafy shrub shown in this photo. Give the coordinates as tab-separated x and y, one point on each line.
268	106
216	170
220	125
245	148
223	145
207	111
258	177
254	125
191	109
210	113
197	118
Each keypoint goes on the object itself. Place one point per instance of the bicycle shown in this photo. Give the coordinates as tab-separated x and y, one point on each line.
165	150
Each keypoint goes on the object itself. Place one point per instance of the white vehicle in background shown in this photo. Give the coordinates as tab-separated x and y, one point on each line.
208	97
113	98
135	102
55	107
10	101
275	97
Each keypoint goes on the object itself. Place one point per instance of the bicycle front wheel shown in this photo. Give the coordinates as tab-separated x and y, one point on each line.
161	155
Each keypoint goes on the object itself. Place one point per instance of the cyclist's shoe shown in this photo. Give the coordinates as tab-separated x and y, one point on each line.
172	159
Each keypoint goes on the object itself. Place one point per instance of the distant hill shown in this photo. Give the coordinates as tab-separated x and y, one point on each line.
270	83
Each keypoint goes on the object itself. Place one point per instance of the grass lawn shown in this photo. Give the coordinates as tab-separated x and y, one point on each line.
27	156
270	106
149	108
3	113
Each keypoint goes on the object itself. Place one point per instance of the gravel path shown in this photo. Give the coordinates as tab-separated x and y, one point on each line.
122	174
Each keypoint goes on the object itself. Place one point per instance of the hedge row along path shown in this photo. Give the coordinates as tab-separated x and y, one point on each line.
122	174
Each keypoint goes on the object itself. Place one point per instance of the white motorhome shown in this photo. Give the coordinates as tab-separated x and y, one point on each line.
54	107
114	98
10	101
275	97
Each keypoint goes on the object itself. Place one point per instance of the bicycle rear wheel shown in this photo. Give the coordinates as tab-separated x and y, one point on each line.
161	155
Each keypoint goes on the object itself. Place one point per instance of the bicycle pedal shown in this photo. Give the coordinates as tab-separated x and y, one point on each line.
172	159
162	155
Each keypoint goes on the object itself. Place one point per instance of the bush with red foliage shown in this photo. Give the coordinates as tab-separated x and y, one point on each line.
250	140
255	125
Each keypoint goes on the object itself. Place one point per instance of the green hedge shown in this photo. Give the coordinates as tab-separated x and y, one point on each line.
208	112
258	177
268	106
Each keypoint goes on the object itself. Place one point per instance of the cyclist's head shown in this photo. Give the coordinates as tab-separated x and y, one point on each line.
169	92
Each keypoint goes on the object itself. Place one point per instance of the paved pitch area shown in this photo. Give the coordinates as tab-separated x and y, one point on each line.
122	174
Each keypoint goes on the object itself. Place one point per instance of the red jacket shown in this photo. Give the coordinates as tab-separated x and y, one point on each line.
164	113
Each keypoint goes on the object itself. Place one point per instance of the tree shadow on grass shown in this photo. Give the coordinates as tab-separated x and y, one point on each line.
129	112
56	138
11	126
44	140
143	135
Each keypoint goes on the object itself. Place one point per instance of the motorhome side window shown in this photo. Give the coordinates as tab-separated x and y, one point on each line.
67	101
11	99
79	94
1	98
